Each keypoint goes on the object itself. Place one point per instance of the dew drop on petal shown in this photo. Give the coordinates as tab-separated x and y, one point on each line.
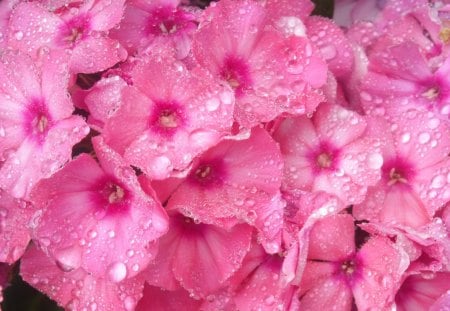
117	272
18	35
129	303
68	259
406	137
375	161
424	137
438	182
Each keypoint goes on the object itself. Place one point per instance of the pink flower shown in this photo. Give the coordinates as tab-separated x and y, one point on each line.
264	68
414	181
80	27
400	78
37	129
236	181
336	272
97	217
169	116
198	257
331	152
165	20
14	232
77	289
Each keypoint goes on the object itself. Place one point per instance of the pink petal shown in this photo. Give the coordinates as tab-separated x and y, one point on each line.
156	299
262	290
422	290
327	295
205	258
15	234
26	18
78	289
382	270
253	164
102	53
332	238
332	43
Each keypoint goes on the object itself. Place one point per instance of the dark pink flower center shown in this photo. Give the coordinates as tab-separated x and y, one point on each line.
74	30
348	267
209	174
325	157
37	120
237	73
111	196
166	21
167	118
398	172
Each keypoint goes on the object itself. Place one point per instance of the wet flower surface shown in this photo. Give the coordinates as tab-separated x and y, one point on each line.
233	155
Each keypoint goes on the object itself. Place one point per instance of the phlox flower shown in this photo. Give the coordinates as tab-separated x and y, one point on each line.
78	27
330	152
236	181
414	182
37	129
168	116
265	68
97	217
336	272
164	20
401	78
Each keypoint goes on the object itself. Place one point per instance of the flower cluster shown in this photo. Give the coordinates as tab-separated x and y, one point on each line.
155	155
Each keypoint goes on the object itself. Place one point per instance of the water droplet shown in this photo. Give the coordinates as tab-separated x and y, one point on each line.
2	131
111	234
406	137
68	259
117	272
18	35
375	161
424	138
438	182
129	303
212	104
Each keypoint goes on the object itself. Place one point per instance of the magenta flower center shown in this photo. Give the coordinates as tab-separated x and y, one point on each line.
166	21
348	267
74	30
37	120
236	72
398	172
209	174
167	118
431	93
324	160
116	193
